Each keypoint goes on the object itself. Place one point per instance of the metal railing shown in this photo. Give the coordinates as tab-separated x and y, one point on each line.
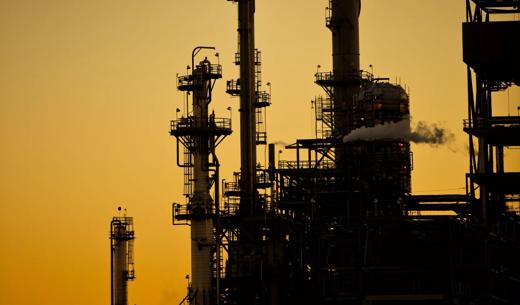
231	187
365	75
186	210
258	57
499	6
284	164
263	98
502	121
262	177
184	80
231	206
233	87
190	123
324	76
213	69
261	137
328	14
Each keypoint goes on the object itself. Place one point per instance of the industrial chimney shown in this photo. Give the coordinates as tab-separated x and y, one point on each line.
121	258
343	21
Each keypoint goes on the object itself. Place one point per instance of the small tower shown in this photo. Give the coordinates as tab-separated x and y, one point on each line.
121	258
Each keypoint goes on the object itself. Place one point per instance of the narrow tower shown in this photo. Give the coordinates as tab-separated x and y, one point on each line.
343	22
121	258
200	133
246	31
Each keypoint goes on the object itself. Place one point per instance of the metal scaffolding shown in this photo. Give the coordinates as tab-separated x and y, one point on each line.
339	224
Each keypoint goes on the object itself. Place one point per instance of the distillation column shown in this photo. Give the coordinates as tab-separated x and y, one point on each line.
200	133
121	258
246	29
202	242
344	24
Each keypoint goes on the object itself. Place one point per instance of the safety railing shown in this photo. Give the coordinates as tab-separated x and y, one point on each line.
231	206
237	58
261	137
233	87
231	187
190	123
263	99
328	15
502	121
211	69
284	164
324	76
258	57
262	177
184	81
214	69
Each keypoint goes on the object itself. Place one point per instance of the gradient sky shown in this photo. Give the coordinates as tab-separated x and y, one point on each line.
87	89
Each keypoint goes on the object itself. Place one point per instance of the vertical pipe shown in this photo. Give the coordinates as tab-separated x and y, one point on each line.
246	10
217	224
483	157
297	154
309	159
345	61
500	159
271	160
499	197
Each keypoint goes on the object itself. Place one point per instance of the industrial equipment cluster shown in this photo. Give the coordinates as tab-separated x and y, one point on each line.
339	224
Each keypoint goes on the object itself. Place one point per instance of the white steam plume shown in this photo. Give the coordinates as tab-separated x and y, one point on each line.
280	143
423	132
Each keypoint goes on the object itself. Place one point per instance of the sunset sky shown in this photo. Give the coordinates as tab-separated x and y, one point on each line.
87	89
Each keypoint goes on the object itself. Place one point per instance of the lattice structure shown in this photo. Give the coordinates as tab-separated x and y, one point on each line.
490	50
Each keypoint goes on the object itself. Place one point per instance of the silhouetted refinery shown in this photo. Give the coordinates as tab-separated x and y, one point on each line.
339	224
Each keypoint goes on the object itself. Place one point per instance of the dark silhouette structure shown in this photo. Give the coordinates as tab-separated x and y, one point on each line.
339	224
121	258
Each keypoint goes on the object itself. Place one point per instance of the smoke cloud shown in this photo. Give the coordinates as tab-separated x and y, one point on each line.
280	143
423	132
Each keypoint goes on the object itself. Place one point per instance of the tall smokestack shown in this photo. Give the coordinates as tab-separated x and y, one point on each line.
344	24
246	30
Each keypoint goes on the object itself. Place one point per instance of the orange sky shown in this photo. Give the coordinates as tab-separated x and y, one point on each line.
87	89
